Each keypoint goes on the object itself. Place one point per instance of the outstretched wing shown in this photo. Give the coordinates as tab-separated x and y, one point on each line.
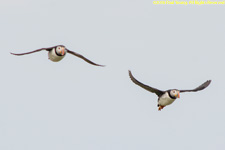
47	49
201	87
146	87
82	57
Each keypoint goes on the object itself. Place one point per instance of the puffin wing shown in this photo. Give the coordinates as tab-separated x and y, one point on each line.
82	57
146	87
47	49
199	88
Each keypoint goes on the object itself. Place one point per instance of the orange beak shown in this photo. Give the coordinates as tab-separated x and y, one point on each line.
62	51
178	94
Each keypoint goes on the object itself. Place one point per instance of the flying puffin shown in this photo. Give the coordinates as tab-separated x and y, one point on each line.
167	97
57	53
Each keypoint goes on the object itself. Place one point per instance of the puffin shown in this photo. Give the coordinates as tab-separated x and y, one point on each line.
169	96
57	53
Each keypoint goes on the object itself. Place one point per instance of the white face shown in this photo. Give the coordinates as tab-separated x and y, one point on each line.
60	50
175	93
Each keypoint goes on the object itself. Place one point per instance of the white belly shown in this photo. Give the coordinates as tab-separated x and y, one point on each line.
54	57
165	100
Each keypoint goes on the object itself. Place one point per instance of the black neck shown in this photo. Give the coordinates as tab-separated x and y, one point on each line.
173	97
57	53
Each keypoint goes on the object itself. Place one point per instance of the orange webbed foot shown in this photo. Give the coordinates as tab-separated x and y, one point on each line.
160	107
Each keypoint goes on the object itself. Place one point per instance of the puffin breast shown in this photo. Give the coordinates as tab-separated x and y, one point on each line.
165	100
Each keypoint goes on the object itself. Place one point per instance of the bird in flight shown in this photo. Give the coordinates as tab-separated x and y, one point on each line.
57	53
167	97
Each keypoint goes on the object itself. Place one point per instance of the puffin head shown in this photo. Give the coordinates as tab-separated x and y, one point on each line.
175	93
60	50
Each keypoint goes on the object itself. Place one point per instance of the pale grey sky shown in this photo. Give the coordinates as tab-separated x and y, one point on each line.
74	105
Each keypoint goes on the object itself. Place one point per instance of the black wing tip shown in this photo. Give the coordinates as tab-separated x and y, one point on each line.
13	53
100	65
132	77
92	63
130	74
208	82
